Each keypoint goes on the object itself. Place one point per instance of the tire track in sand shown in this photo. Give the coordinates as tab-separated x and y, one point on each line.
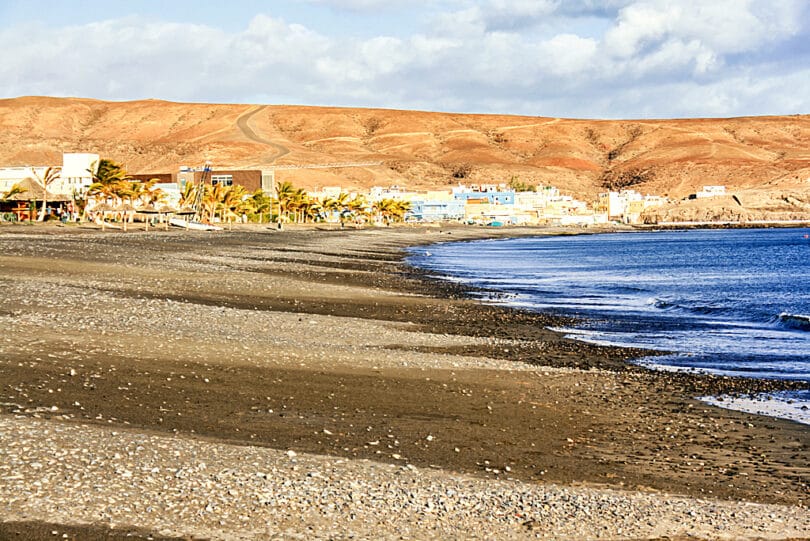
243	123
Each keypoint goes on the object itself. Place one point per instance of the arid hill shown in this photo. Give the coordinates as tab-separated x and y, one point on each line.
753	156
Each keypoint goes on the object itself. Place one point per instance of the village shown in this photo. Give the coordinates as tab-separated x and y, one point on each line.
87	187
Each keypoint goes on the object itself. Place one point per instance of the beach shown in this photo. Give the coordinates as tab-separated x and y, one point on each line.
306	384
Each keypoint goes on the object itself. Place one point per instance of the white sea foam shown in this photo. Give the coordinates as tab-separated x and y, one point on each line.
722	302
773	405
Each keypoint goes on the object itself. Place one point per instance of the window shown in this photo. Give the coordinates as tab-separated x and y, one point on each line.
225	180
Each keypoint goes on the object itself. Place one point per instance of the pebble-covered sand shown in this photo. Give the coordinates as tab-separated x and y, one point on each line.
65	311
180	486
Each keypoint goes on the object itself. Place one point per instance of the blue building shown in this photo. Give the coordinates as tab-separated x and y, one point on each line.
493	197
436	211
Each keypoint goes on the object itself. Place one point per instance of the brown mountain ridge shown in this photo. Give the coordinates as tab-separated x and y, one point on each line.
765	158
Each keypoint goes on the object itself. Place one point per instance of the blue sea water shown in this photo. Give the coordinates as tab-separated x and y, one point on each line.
734	302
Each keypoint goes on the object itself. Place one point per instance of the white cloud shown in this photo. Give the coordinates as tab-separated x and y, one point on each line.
360	5
384	55
724	26
676	56
504	14
632	58
638	25
567	54
468	22
496	16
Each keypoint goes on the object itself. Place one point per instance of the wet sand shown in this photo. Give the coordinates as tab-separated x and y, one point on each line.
323	342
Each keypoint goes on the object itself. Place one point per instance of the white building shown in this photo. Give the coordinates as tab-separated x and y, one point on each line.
171	192
537	200
615	204
378	193
77	173
627	205
9	176
327	192
75	177
711	191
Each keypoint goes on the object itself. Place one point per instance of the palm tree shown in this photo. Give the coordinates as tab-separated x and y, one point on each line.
262	203
152	195
235	201
51	175
329	204
110	180
400	209
128	191
302	203
188	194
338	204
311	209
212	200
108	172
358	207
391	210
14	190
285	194
383	209
107	191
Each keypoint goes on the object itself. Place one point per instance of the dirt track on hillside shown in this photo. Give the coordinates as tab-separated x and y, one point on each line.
279	151
421	150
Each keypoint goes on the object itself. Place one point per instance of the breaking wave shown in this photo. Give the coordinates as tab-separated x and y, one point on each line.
732	302
797	322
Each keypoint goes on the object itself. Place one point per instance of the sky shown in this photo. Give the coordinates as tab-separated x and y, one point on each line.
559	58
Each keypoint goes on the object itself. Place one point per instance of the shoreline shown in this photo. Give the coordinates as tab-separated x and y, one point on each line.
399	356
478	294
764	401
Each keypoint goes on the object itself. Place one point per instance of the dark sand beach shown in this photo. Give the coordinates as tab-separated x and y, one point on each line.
253	347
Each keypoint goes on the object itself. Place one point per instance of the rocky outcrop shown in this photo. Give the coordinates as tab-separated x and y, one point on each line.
747	206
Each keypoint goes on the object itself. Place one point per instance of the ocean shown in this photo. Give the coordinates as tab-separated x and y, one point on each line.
733	302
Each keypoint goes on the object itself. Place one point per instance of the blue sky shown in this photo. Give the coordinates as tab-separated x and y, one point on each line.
560	58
